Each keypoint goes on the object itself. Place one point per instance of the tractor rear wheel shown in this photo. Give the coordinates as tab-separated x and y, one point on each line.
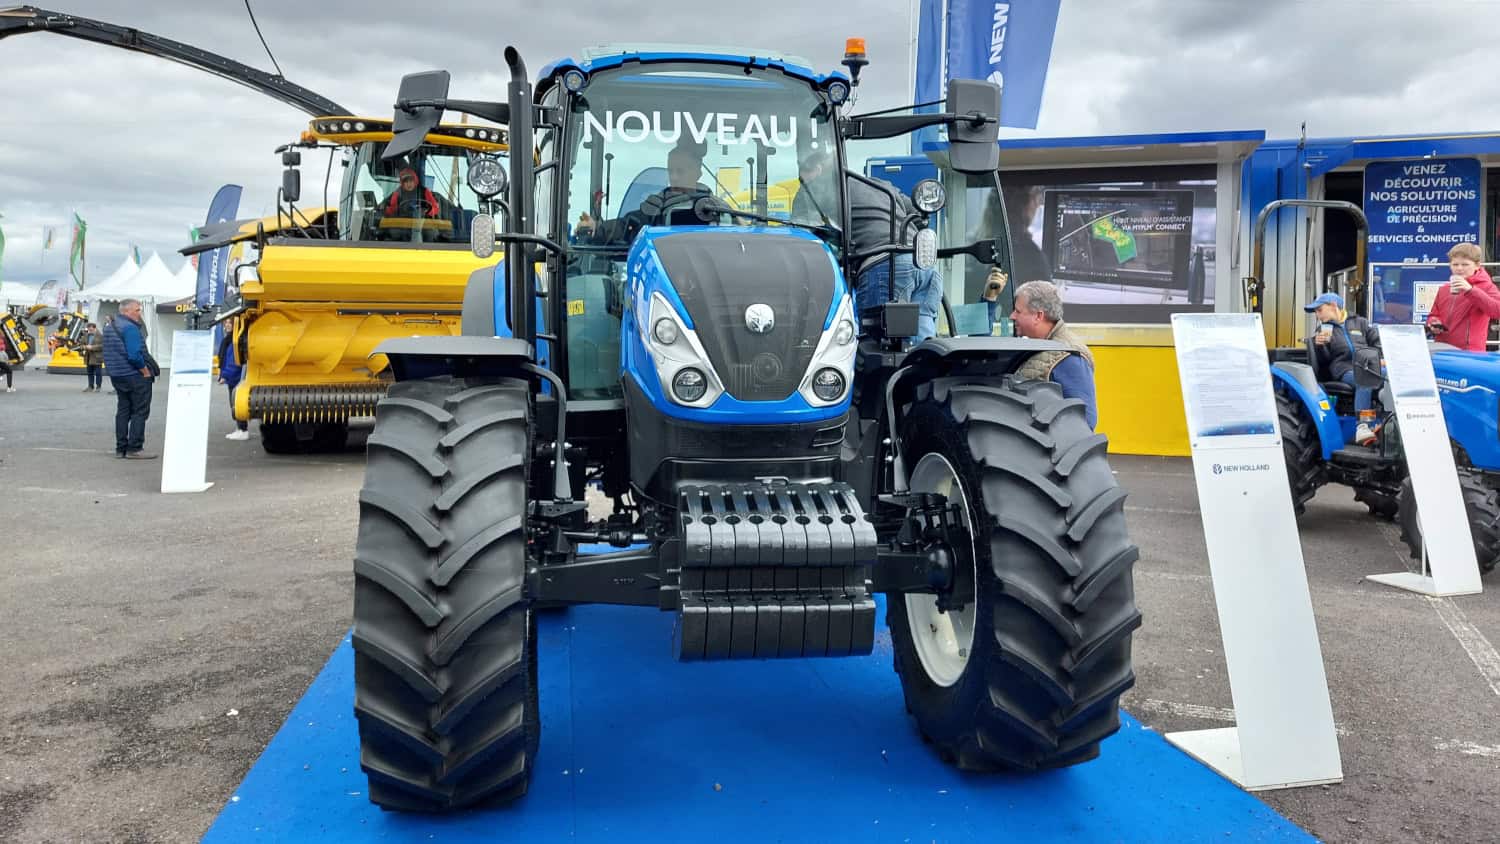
1481	505
1029	674
1301	449
445	668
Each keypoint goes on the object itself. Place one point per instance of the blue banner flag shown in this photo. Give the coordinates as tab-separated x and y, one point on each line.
1008	43
211	267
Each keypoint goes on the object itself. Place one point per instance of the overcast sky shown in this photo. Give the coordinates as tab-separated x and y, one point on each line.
138	145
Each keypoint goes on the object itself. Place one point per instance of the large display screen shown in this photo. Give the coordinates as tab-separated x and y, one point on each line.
1127	246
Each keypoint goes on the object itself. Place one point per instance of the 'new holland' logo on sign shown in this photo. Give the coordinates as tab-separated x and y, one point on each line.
1220	468
997	43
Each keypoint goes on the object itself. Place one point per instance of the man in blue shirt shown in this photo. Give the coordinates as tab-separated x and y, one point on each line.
1038	314
127	363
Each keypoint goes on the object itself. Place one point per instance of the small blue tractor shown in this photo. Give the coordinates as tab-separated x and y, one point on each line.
674	321
1318	421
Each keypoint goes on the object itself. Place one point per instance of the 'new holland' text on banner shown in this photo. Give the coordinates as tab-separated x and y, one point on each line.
1007	42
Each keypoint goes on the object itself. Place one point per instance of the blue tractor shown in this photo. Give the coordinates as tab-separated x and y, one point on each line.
1318	421
777	453
1469	387
1316	411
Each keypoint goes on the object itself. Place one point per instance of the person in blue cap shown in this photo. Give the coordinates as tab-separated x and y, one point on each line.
1338	339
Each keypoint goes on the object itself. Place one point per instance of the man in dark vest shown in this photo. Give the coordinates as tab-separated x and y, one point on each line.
128	365
1038	314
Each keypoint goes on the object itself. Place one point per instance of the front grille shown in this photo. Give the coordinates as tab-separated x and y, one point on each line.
720	275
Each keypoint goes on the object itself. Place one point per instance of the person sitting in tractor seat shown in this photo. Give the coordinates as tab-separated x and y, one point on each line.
1038	314
1338	339
1461	314
870	213
673	206
411	200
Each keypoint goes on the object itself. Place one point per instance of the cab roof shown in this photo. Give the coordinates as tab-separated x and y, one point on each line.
608	56
347	130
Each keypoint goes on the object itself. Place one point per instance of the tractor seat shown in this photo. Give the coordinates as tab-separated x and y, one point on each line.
1332	388
1336	388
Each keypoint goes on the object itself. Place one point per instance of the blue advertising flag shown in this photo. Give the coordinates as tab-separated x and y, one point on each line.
928	84
1008	43
225	206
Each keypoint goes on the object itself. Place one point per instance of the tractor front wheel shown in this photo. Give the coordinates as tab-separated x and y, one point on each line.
445	670
1301	449
1027	675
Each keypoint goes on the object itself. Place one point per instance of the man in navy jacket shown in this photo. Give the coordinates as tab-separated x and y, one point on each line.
127	363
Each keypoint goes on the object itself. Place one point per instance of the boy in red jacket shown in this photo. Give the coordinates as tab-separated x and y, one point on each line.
1461	314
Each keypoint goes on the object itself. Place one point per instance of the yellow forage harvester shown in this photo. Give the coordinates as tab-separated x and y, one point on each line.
312	292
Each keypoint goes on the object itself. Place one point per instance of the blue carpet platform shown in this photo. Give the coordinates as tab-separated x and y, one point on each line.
638	747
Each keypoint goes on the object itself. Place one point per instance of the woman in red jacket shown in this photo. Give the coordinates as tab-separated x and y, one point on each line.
1461	314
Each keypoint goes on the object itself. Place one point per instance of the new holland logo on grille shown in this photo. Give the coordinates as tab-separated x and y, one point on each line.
760	319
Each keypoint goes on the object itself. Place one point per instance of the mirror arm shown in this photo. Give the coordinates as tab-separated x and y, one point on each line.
494	112
534	239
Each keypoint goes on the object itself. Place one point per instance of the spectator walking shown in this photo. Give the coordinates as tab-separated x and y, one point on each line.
230	370
10	386
131	371
92	346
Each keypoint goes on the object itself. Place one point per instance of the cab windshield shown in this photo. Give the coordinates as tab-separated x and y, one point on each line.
649	140
420	198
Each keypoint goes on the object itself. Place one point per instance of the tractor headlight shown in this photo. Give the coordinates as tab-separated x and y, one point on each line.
486	177
928	195
831	369
682	366
828	384
574	80
838	92
689	385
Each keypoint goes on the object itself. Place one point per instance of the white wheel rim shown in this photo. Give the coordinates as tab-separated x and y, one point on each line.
943	641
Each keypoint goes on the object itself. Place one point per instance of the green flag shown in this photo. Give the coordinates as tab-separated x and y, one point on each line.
76	257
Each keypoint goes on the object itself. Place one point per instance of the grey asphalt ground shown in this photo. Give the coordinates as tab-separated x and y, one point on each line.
151	645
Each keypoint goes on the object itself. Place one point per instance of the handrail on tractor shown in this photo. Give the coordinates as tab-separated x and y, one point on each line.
1254	285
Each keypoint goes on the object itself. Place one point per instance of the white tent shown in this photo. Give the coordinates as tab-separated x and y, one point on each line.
127	268
152	284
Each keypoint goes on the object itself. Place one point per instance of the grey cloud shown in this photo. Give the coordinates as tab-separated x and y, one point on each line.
139	145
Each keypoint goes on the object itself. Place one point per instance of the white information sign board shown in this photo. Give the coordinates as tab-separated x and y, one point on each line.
185	447
1284	734
1429	461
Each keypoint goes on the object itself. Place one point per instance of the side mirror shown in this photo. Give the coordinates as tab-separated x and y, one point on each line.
973	138
291	158
413	122
291	185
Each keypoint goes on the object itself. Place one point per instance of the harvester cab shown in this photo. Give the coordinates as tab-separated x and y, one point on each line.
657	325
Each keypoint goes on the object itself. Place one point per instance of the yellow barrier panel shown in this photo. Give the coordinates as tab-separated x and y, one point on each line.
1140	400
